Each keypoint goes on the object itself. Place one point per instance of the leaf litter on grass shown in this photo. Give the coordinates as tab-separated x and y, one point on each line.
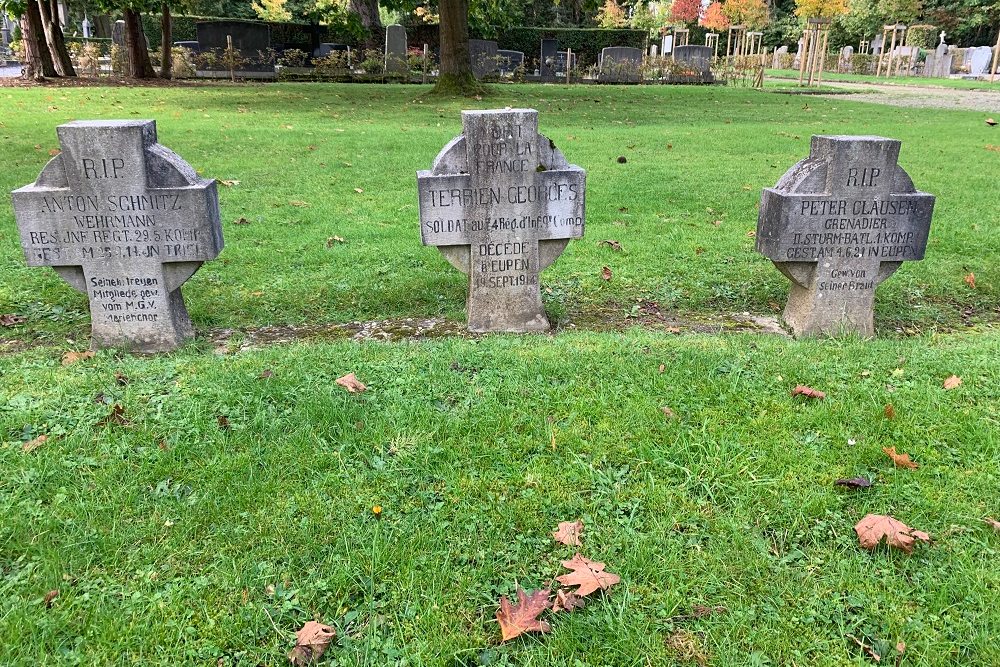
874	528
517	619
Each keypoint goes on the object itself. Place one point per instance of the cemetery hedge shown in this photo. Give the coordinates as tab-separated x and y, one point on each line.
232	499
283	35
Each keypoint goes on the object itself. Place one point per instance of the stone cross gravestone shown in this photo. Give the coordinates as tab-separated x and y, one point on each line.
501	203
126	221
837	224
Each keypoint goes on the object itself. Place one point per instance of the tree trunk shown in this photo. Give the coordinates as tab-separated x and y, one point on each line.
36	49
166	43
139	66
49	13
455	75
367	11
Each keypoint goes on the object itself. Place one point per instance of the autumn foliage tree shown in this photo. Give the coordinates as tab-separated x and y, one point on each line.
751	13
685	11
822	9
715	18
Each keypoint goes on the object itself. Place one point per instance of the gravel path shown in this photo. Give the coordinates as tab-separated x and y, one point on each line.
927	97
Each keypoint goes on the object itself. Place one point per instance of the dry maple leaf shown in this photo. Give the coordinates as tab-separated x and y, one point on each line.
889	411
223	422
351	383
611	243
605	273
952	381
808	392
854	483
9	320
567	602
568	532
901	460
875	527
116	416
970	280
32	445
310	642
71	358
49	597
588	575
517	619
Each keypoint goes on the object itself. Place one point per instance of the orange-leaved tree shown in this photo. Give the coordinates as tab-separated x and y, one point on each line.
751	13
714	18
685	11
820	9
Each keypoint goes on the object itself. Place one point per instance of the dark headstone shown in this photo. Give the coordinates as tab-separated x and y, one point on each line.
126	221
395	51
483	57
620	64
698	60
839	223
509	61
501	203
118	34
191	46
250	38
547	63
326	48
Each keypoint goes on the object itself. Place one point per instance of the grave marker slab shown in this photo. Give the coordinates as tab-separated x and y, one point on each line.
126	221
837	224
395	51
509	61
501	203
620	64
547	63
483	57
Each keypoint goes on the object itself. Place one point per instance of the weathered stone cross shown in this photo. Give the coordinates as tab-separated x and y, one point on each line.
125	220
501	204
839	223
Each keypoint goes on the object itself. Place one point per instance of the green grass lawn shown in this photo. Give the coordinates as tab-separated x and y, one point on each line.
179	537
958	84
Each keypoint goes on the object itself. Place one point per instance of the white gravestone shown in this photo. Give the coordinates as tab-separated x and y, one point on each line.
126	221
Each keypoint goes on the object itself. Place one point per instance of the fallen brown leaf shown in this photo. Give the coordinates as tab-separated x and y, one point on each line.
808	392
334	239
9	320
223	422
71	358
567	602
901	460
568	533
120	379
588	575
991	122
298	204
310	642
952	381
517	619
854	483
611	243
661	369
668	412
970	280
267	373
889	411
875	527
992	523
605	273
241	221
359	190
116	416
49	597
351	383
229	183
32	445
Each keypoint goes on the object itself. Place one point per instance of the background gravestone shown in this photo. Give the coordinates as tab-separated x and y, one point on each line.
509	61
698	59
620	64
501	203
250	38
395	51
979	58
126	221
547	64
483	57
839	223
118	34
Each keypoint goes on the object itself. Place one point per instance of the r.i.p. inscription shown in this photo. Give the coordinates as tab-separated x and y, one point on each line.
839	223
501	203
126	221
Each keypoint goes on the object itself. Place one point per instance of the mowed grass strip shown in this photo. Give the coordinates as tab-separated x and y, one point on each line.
180	538
683	204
